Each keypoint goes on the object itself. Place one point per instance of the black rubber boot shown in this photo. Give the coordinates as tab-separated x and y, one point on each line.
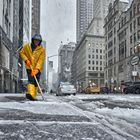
29	97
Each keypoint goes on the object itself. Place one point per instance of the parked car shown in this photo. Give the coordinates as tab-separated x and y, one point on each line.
128	88
136	87
104	90
132	87
66	89
92	89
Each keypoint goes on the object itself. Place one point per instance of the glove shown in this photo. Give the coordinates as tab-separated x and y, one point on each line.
34	72
28	63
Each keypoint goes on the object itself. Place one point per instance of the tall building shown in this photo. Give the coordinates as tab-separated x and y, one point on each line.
14	52
84	16
6	45
26	21
35	17
122	29
100	8
26	29
88	62
13	22
24	35
65	61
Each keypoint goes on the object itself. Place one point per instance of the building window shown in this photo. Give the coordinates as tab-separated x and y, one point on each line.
101	74
114	59
114	40
89	62
92	56
96	62
96	50
134	37
110	44
110	53
130	27
100	62
134	24
100	56
110	35
134	10
93	74
122	50
89	56
131	51
138	8
100	68
120	68
106	38
138	35
93	62
89	68
92	68
130	14
122	34
115	71
110	62
96	56
119	25
110	72
96	68
125	20
138	20
109	26
114	50
106	47
114	30
131	40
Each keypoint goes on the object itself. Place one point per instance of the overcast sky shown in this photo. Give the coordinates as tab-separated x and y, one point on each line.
58	23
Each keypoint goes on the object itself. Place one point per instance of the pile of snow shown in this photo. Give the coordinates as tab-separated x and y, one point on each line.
124	113
40	107
127	1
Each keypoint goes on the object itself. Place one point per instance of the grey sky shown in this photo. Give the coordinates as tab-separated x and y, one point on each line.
58	23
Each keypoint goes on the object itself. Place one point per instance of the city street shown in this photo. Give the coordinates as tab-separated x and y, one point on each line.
80	117
58	47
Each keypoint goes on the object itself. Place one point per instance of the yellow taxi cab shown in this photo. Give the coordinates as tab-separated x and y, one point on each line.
92	89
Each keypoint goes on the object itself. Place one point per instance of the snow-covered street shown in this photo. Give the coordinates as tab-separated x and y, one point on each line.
80	117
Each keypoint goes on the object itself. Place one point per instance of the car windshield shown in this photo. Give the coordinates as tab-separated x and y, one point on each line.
68	86
136	83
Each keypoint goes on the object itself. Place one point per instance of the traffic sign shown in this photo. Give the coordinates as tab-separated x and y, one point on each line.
134	73
135	60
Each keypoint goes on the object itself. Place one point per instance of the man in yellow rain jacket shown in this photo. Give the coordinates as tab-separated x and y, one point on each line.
33	55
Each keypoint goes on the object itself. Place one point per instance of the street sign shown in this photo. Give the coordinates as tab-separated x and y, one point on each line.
135	60
134	73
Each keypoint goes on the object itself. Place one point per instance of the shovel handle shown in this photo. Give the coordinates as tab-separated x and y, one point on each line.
38	85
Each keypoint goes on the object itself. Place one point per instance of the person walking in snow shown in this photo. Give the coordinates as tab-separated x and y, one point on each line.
33	54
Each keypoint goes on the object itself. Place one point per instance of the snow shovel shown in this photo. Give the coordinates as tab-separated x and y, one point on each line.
38	86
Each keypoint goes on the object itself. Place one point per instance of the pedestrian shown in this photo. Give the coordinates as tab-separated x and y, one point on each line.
33	54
